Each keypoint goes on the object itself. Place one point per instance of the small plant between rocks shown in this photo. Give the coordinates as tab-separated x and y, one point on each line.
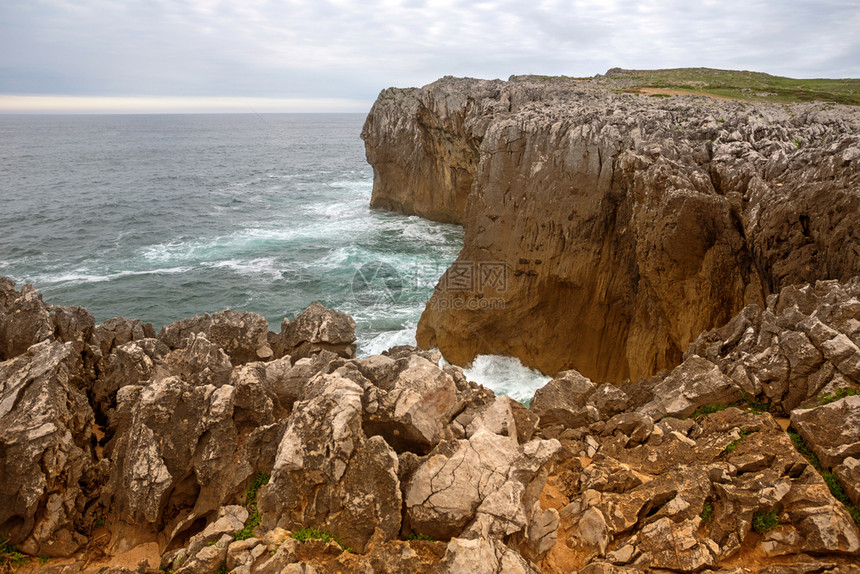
10	556
734	444
707	512
416	536
254	517
305	534
828	398
765	521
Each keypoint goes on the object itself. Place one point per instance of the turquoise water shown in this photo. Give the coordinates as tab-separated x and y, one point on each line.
166	217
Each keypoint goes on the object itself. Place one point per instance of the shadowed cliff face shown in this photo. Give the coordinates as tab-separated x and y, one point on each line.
605	231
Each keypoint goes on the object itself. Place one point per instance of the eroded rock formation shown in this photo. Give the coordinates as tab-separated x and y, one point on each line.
605	231
165	454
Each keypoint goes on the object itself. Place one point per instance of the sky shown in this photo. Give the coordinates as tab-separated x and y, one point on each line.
336	55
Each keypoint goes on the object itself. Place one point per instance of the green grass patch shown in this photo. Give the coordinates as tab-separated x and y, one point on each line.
828	398
251	504
755	406
748	86
708	409
707	512
734	444
415	536
765	521
803	449
305	534
10	556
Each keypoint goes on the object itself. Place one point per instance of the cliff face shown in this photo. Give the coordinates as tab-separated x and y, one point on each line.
605	231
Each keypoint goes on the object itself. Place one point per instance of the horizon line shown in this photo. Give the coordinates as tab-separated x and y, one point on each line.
11	104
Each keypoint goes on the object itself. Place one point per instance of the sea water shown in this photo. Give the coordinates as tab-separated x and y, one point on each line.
162	217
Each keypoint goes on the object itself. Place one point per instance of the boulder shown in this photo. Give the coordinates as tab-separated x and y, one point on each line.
177	456
480	479
316	329
327	474
243	336
694	383
832	431
48	470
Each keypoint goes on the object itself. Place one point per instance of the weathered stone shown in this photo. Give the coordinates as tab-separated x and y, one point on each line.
832	431
243	336
324	457
318	328
563	400
47	465
414	413
696	382
848	474
446	491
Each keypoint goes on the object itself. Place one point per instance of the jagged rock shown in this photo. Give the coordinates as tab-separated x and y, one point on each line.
482	556
206	559
324	457
118	331
848	474
48	470
199	361
230	519
832	431
24	320
573	401
243	336
608	230
131	363
316	329
796	349
479	479
177	456
696	382
413	412
287	382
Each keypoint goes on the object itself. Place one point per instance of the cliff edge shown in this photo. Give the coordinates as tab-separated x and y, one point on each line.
605	230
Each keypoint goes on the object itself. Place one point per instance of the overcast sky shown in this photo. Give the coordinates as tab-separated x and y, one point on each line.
317	55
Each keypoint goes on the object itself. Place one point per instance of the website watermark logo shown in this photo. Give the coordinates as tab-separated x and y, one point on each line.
377	283
465	285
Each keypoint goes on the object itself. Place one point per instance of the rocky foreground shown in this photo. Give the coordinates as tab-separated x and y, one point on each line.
626	224
219	446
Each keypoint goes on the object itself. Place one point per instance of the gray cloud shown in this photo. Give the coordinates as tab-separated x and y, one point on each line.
345	49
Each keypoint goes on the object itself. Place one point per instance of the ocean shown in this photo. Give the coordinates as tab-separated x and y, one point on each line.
162	217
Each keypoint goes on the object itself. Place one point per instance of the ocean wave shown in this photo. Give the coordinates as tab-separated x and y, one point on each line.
267	267
506	376
78	277
374	345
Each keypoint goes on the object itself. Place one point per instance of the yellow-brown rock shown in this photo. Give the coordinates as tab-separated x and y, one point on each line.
605	231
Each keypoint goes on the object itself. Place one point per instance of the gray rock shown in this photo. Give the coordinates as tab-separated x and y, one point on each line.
316	329
832	431
47	465
243	336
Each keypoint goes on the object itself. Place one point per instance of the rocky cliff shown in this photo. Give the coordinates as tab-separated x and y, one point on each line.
603	230
219	446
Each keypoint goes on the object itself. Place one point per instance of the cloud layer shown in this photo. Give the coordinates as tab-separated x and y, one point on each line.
350	50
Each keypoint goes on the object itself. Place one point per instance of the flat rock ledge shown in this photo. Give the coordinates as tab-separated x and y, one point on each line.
210	448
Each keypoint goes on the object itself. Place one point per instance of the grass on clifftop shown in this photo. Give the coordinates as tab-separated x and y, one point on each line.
742	85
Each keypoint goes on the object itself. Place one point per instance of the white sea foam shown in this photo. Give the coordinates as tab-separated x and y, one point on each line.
81	276
262	267
384	341
506	376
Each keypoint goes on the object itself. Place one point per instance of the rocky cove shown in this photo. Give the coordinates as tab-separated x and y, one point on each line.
686	268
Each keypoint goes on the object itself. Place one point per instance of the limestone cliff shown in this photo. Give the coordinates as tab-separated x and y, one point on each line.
604	231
